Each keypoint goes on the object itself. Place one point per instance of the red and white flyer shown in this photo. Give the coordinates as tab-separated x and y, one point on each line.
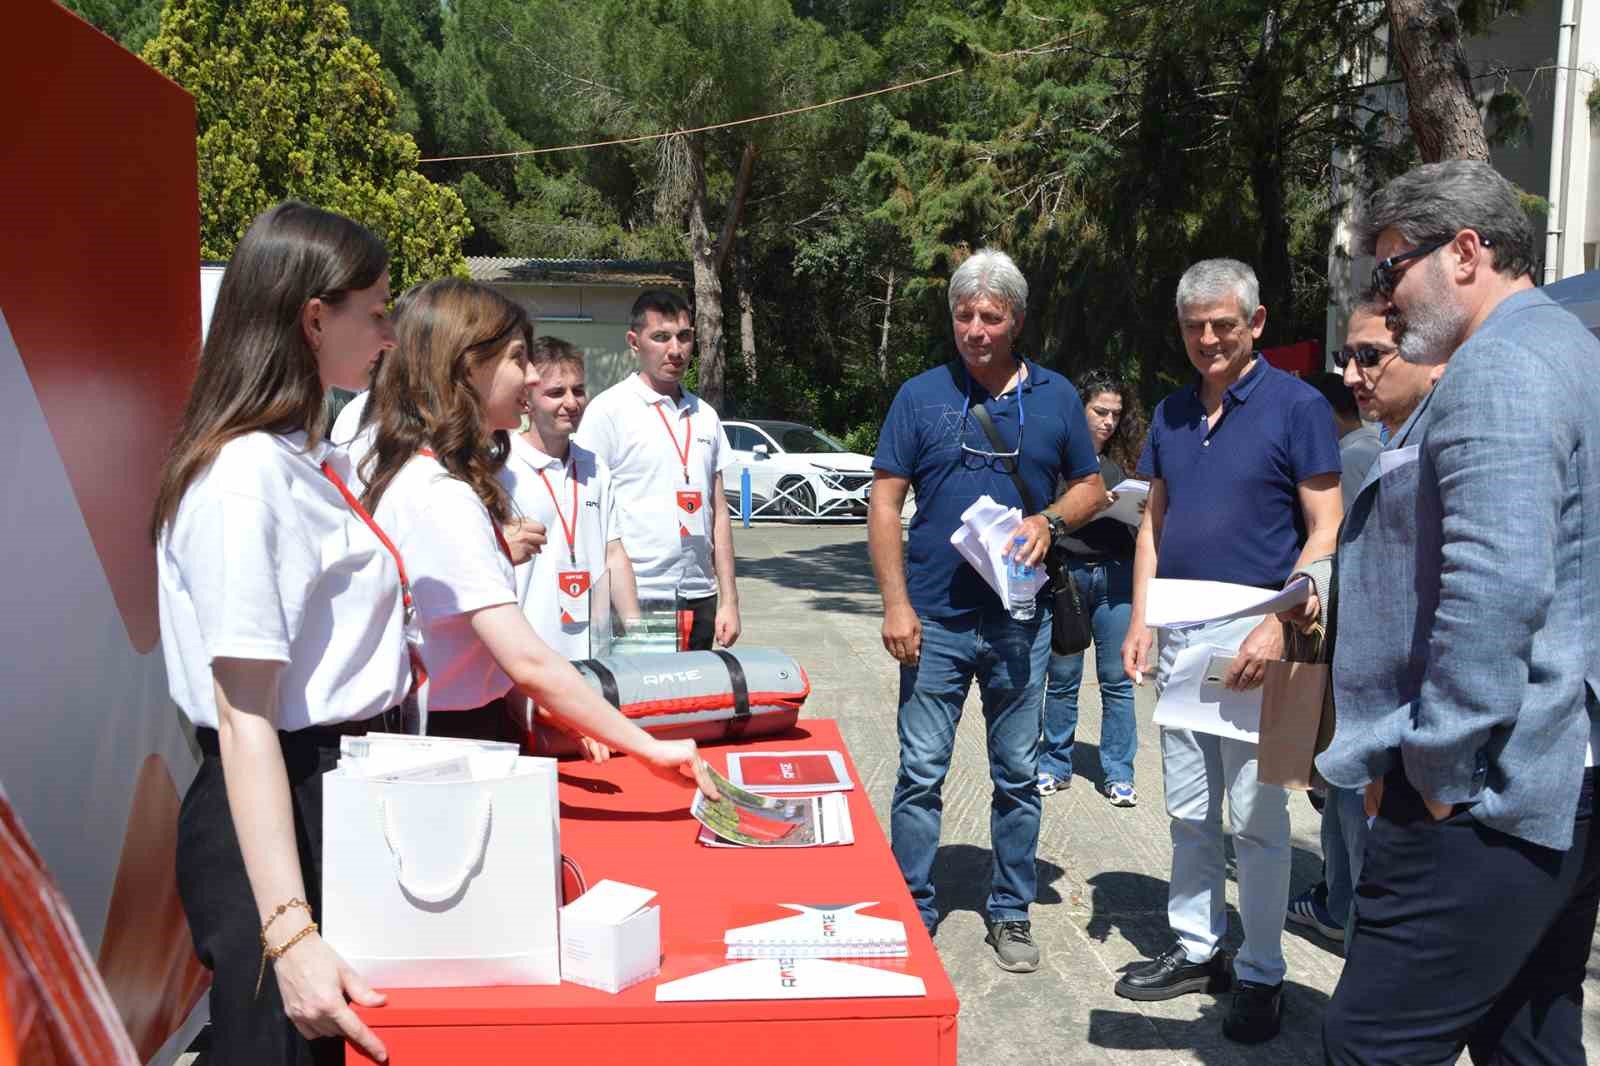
778	772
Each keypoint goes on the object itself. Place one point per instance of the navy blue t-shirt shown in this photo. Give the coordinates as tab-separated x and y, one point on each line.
1233	510
921	441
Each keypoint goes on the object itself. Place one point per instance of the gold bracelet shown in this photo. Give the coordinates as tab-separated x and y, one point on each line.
277	953
295	902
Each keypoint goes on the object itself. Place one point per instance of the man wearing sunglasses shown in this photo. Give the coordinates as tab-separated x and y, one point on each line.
1468	656
1244	488
941	621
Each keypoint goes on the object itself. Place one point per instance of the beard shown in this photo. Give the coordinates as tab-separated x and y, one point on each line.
1429	332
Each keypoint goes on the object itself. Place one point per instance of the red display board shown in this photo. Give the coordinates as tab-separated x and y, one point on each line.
620	822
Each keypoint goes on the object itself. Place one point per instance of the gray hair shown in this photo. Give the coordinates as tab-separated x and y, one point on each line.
1436	201
990	272
1214	279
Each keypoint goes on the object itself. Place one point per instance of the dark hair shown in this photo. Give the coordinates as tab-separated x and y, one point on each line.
423	396
257	370
1372	302
1436	201
547	350
1128	438
663	302
1337	393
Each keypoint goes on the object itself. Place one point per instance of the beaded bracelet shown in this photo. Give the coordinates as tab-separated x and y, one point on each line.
276	953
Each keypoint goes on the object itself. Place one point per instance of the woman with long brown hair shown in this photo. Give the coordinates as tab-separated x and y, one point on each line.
282	623
442	406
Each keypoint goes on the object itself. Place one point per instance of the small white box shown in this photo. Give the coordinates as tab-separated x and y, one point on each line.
610	939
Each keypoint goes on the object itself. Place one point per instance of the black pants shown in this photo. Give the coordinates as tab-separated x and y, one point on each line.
492	721
697	624
246	1028
1465	937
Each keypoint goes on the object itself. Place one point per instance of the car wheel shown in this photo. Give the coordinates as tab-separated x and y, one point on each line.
796	498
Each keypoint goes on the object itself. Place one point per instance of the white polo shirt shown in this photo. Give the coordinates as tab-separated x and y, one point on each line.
641	435
456	565
347	424
582	484
266	561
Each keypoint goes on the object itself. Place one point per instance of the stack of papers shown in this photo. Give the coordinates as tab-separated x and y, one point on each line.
1131	494
1192	700
398	757
984	538
1176	604
744	819
791	979
817	931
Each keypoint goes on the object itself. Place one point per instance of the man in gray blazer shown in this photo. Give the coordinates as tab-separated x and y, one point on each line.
1466	668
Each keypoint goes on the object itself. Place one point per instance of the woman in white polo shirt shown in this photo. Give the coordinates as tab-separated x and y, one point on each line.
443	403
282	623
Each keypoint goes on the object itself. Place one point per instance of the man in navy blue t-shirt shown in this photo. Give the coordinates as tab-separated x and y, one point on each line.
943	623
1244	488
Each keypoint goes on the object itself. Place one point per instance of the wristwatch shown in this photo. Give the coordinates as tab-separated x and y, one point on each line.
1058	526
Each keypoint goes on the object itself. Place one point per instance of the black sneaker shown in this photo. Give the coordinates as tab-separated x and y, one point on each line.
1013	945
1171	974
1255	1014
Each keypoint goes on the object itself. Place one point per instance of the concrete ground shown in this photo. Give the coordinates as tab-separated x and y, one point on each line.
1102	870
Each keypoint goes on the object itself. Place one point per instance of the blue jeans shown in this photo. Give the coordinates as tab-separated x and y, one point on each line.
1344	845
1008	659
1108	593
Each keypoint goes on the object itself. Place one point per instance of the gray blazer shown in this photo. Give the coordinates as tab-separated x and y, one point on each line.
1467	635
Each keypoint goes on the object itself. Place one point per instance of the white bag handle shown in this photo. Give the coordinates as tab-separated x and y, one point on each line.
441	892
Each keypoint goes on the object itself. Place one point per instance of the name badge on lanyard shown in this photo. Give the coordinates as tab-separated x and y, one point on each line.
573	596
691	513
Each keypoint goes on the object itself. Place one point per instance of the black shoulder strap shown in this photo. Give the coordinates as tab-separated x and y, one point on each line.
736	678
608	680
981	413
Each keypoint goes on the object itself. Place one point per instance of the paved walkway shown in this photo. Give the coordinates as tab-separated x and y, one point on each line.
1102	870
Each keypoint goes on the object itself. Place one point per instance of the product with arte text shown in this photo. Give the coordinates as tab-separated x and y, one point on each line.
814	931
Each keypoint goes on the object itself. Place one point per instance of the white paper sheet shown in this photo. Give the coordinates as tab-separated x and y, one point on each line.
1190	702
1389	461
1177	604
984	537
1131	492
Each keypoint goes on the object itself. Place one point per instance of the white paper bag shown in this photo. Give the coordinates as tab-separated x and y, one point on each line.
444	884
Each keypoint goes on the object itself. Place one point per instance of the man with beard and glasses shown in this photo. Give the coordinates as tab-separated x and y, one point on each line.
1467	663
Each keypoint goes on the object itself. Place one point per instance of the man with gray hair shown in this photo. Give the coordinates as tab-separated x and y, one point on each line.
1468	658
941	621
1244	488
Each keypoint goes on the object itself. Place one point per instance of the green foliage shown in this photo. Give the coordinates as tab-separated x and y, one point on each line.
290	105
130	22
1509	120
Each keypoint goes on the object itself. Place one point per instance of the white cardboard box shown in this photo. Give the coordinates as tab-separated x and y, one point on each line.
610	939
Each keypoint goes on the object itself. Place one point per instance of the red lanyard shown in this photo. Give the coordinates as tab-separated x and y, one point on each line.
682	453
499	534
570	530
419	672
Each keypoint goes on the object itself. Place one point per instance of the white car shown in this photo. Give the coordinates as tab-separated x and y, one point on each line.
796	471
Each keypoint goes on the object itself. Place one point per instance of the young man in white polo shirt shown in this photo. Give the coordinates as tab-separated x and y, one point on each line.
667	451
566	489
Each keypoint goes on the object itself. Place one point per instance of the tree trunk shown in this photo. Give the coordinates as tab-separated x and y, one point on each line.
1274	268
1443	113
707	283
747	312
883	340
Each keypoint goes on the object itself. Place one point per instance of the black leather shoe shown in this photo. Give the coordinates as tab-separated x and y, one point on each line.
1255	1014
1172	974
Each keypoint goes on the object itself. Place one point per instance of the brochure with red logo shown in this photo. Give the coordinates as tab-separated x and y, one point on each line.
746	819
813	931
777	772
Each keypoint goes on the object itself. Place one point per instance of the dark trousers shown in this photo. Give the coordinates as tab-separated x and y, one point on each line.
697	624
1465	937
246	1028
492	721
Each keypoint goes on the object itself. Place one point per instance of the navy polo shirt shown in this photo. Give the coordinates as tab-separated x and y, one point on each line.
921	441
1233	512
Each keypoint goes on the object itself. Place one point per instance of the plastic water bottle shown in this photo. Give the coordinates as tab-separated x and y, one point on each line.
1019	585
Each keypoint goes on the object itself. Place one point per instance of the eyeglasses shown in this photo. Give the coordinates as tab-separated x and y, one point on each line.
1366	356
1384	275
1006	462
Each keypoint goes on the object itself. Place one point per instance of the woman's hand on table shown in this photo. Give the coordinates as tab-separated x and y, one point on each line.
317	988
672	758
593	750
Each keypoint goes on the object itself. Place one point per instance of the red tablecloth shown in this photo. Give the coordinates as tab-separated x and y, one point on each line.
620	822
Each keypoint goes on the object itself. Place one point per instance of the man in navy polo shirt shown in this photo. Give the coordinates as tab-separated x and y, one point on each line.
942	622
1244	488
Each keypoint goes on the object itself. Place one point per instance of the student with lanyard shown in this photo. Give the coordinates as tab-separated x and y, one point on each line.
443	404
283	627
567	490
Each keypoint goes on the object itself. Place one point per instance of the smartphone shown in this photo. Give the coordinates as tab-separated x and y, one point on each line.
1217	669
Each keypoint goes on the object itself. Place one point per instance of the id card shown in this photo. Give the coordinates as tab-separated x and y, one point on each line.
691	513
573	596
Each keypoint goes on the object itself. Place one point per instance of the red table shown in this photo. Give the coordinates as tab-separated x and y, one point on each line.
620	822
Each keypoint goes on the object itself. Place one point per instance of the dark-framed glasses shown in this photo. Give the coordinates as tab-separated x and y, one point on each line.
1384	275
1366	356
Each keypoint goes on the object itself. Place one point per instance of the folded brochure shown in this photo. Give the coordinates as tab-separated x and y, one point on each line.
744	819
814	931
791	979
775	772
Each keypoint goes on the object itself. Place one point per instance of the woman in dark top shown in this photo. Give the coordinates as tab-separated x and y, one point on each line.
1102	562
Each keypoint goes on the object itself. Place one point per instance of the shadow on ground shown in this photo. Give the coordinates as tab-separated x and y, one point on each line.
830	572
962	875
